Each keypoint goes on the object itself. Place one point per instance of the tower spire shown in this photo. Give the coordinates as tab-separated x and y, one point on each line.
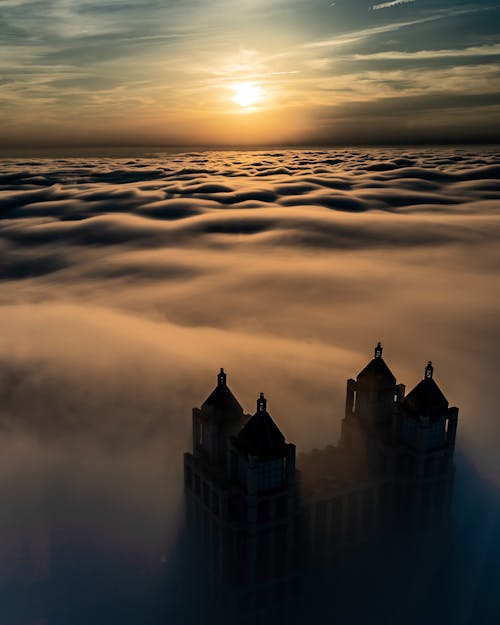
378	350
429	371
261	403
221	378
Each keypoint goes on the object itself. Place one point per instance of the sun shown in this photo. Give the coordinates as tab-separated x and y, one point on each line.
246	94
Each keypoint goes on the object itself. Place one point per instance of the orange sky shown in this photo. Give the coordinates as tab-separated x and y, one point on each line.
119	72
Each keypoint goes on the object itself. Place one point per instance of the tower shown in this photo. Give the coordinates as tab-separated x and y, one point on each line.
371	397
263	466
428	428
391	473
241	505
397	448
220	416
369	423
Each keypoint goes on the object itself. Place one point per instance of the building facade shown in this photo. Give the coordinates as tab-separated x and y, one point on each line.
256	520
392	471
242	506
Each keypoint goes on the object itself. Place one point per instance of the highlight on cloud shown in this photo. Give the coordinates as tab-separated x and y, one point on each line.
389	5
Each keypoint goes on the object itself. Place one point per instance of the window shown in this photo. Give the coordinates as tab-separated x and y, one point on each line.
429	467
336	520
235	509
352	511
270	475
321	520
189	476
368	510
263	554
215	503
320	532
263	511
280	549
206	494
281	506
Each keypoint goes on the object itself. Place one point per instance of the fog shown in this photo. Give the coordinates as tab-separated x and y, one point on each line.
127	284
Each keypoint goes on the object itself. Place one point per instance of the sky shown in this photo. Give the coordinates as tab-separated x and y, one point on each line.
248	72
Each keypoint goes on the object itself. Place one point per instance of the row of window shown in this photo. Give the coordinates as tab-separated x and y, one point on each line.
433	436
269	475
407	465
267	509
202	489
358	513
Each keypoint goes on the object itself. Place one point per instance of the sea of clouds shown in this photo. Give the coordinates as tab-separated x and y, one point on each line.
126	283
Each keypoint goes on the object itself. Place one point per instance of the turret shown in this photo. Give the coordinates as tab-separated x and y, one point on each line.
261	459
219	417
372	396
428	422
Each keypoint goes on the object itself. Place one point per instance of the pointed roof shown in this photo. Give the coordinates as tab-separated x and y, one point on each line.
261	436
221	405
426	399
376	371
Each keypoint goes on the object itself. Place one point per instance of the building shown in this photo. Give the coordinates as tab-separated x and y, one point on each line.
241	498
258	521
392	471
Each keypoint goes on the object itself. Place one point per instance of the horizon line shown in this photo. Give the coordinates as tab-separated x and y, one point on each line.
244	147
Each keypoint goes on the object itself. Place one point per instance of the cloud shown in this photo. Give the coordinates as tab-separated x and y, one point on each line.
113	73
473	51
127	282
365	33
389	5
356	36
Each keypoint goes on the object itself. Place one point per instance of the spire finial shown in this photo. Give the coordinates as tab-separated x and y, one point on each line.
429	371
221	378
261	403
378	350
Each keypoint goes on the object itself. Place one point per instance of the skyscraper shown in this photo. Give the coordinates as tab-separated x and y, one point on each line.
257	521
392	470
241	502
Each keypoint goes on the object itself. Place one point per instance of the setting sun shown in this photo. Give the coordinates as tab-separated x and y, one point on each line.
247	94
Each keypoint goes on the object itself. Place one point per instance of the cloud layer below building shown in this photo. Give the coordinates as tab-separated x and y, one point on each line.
128	282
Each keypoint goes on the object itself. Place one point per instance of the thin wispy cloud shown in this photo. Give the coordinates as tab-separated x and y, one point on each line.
356	36
487	50
389	5
364	33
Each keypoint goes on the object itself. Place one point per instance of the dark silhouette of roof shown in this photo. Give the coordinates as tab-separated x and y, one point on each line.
221	405
426	399
261	436
376	371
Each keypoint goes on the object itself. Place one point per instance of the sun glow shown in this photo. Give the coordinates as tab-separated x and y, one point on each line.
247	94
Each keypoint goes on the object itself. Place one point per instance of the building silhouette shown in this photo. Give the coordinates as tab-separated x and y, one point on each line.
392	471
241	501
258	522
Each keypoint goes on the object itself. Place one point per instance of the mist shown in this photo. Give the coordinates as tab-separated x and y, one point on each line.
127	284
